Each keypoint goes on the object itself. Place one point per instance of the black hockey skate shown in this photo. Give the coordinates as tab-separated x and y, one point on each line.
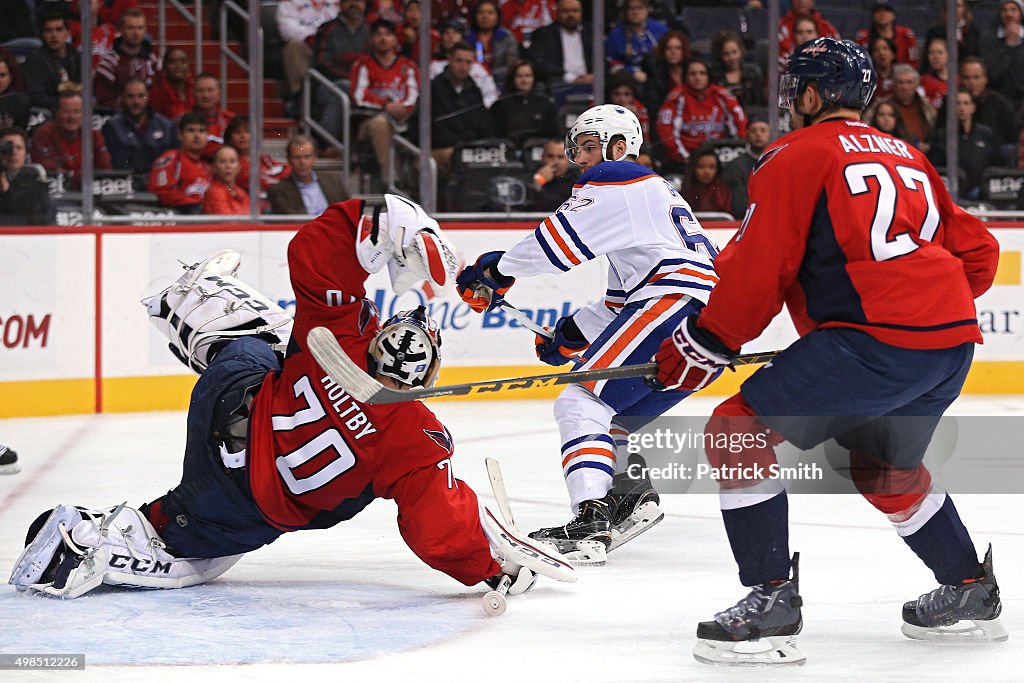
8	461
634	502
759	629
965	612
585	539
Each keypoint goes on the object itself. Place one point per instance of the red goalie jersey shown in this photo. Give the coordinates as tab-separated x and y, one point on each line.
868	238
317	457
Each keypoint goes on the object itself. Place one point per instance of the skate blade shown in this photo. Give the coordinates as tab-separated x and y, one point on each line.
642	519
9	469
770	651
581	553
965	631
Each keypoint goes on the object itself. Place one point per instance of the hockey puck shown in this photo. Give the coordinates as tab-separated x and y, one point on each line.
494	603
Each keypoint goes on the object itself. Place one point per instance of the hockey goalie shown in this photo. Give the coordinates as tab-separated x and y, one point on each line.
274	446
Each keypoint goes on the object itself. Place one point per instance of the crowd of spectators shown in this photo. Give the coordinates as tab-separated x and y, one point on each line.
515	71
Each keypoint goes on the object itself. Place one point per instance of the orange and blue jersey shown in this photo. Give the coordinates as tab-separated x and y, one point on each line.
631	215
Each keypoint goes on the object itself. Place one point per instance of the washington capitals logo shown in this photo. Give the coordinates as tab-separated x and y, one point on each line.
814	50
441	438
767	156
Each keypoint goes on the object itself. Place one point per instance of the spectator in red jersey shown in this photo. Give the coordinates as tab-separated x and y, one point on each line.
1004	57
104	30
180	177
665	68
238	134
54	63
224	197
173	88
57	144
14	103
935	79
697	112
495	46
523	17
917	114
968	36
883	56
787	25
743	81
297	24
804	29
409	32
131	57
336	47
207	95
704	188
883	23
524	112
386	87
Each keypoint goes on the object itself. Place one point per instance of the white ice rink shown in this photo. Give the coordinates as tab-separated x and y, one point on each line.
353	604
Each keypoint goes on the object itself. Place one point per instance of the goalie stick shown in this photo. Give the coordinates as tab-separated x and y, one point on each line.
494	601
365	389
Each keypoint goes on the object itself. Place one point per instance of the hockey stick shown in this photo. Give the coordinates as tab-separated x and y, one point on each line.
526	321
365	389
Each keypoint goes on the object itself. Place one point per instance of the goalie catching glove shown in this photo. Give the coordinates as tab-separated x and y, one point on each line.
566	345
410	243
481	285
690	359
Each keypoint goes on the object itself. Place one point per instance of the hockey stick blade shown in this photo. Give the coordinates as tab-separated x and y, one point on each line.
500	493
365	389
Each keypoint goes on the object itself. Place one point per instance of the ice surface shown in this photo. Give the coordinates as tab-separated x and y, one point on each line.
354	604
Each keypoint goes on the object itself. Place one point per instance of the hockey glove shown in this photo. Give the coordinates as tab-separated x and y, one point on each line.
481	285
567	344
686	360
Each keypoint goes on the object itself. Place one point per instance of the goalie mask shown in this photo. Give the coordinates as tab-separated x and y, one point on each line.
407	349
606	121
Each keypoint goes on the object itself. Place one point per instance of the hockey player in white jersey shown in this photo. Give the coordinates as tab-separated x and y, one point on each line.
661	269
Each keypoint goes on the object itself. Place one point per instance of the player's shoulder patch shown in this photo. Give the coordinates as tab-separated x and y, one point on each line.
615	173
441	437
767	156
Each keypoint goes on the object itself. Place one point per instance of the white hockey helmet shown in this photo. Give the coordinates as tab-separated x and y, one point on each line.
606	121
408	349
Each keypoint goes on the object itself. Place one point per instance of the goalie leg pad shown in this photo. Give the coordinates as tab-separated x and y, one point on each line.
207	306
78	549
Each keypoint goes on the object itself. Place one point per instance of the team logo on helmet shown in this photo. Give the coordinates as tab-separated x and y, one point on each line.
407	349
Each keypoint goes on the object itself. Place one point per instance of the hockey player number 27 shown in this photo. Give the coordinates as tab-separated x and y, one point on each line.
329	438
882	247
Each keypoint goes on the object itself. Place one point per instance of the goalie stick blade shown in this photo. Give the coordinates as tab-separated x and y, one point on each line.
365	389
500	493
342	369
